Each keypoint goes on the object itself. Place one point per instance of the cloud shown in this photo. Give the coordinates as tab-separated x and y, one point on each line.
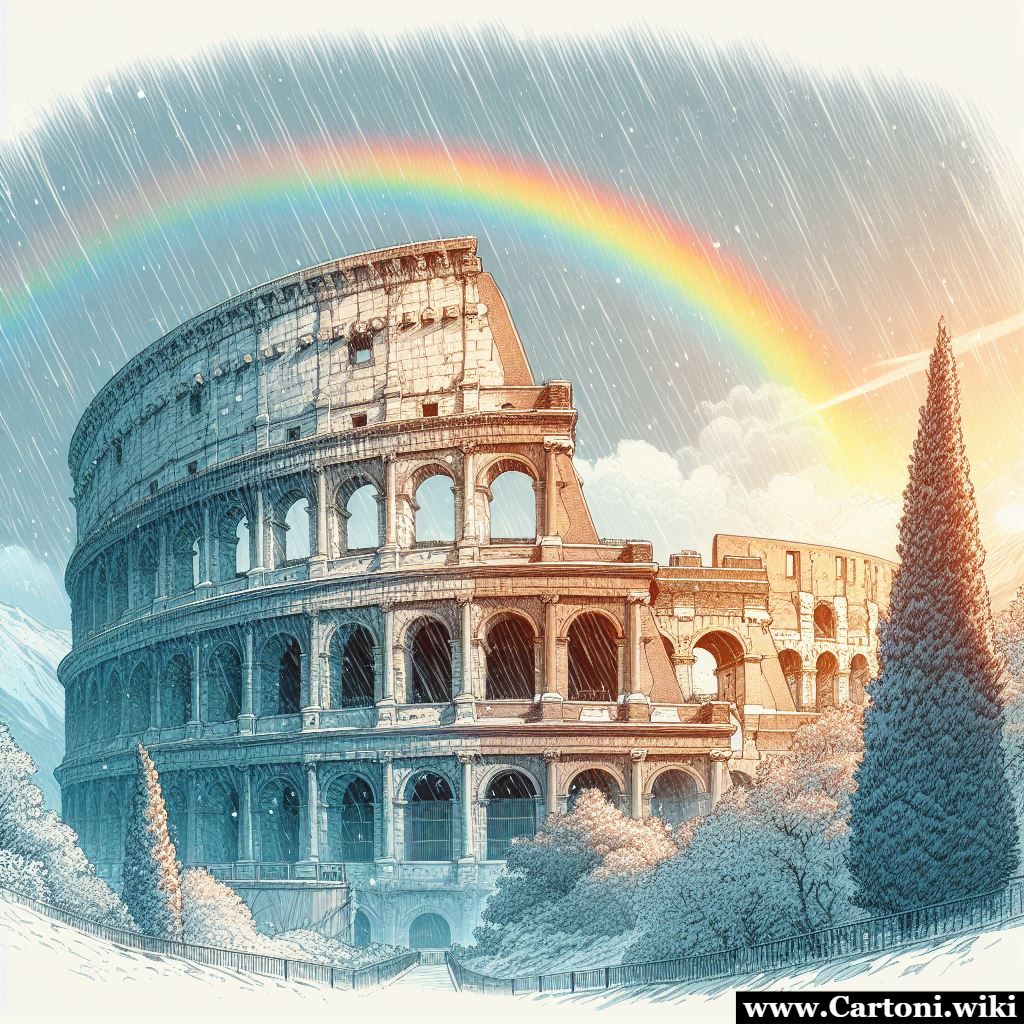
753	469
33	586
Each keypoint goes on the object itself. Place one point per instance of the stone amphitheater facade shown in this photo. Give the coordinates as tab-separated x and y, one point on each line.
334	567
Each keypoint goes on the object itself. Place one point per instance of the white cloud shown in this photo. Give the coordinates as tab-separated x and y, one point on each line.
33	586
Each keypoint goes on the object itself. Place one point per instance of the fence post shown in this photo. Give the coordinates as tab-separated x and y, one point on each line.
286	970
607	972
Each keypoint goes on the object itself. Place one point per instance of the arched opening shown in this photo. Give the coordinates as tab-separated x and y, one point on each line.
350	821
593	659
431	664
281	676
825	681
137	710
510	659
296	541
93	712
824	622
118	587
111	717
361	933
676	797
718	666
512	512
860	676
242	547
176	692
434	510
217	824
593	778
428	819
101	598
185	560
279	822
177	820
511	812
351	669
148	572
792	666
430	931
362	520
224	684
110	838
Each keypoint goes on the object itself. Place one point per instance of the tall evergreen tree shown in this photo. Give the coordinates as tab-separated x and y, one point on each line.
932	817
151	883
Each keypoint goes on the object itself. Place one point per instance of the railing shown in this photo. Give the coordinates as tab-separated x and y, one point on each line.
871	935
278	871
235	959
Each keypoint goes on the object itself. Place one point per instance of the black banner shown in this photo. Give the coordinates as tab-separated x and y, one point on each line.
835	1005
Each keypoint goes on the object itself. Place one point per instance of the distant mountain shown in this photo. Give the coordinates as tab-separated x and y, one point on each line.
31	698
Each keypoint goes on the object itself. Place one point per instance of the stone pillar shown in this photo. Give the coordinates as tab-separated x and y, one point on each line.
191	839
808	690
636	783
551	758
470	541
260	526
386	703
842	687
719	762
162	569
311	677
245	816
551	450
465	701
131	582
638	704
387	805
389	550
683	664
468	799
194	718
551	698
246	718
321	517
312	812
207	580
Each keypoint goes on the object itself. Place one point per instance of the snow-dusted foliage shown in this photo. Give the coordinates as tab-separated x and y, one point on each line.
1010	647
303	944
151	884
39	854
768	861
213	914
572	884
932	816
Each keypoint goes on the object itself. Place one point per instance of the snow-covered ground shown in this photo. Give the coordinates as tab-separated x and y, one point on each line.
51	972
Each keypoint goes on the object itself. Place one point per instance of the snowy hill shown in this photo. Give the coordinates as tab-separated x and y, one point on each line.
31	698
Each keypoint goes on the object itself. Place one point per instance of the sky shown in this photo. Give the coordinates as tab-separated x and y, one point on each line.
718	223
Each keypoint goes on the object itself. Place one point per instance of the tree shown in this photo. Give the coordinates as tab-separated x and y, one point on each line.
1010	647
39	854
151	884
932	818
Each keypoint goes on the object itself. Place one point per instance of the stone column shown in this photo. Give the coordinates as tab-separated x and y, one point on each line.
551	450
719	762
842	687
194	718
636	783
468	799
808	690
130	562
191	839
260	526
551	698
162	569
312	812
465	701
470	541
683	664
207	580
311	677
245	816
246	718
551	758
387	805
321	517
638	704
386	703
389	550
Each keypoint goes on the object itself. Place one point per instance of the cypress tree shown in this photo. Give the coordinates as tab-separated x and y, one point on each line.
151	883
932	819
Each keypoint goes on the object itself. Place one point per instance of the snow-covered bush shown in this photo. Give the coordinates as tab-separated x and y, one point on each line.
39	854
213	914
1009	645
303	944
151	884
770	860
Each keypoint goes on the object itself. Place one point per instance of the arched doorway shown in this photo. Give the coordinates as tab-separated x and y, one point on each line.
825	681
279	822
281	676
428	819
824	622
676	797
224	684
176	692
860	676
430	931
718	667
217	824
431	664
792	666
350	821
511	812
593	778
593	659
509	659
361	934
352	669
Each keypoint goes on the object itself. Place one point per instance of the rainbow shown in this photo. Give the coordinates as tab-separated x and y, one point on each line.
752	318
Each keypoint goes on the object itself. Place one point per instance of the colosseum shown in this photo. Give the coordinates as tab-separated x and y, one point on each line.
335	568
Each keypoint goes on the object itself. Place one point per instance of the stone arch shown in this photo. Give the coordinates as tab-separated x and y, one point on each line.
860	676
176	691
429	677
432	489
118	584
279	817
429	817
792	666
511	802
824	621
826	674
110	720
224	682
510	642
94	714
593	652
351	820
292	528
281	675
509	484
726	650
137	699
362	931
236	547
147	572
185	557
677	795
110	826
352	656
597	777
359	512
430	930
101	596
176	803
217	810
